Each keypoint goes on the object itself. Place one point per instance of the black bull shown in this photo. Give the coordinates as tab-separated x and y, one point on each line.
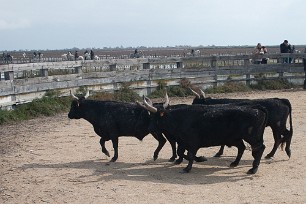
203	126
278	112
111	120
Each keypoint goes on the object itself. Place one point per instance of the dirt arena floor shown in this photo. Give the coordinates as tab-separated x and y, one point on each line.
57	160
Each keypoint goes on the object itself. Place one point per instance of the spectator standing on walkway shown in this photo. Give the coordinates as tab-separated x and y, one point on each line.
265	59
76	55
92	55
258	51
285	47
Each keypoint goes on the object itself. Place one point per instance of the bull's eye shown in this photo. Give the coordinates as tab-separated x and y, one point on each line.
161	114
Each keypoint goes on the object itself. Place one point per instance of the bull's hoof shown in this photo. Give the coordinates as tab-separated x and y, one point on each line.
178	161
172	159
288	152
234	164
218	155
252	170
107	154
200	159
113	159
268	156
184	171
155	157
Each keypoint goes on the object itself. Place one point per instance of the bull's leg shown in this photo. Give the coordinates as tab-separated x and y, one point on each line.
288	136
241	147
104	150
161	142
220	152
257	154
197	159
180	153
277	142
189	166
200	159
173	146
115	146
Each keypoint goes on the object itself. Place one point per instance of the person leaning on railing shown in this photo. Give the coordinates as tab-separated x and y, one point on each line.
285	47
258	51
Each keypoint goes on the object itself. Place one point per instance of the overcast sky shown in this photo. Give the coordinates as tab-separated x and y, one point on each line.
59	24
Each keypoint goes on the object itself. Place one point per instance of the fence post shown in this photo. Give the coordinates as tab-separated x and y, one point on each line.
44	72
213	62
9	75
246	62
304	62
179	65
281	75
248	79
146	66
149	87
112	67
78	70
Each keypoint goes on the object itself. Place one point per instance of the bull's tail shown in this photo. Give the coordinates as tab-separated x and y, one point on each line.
288	135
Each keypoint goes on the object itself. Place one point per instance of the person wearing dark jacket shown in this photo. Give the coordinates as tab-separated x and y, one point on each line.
285	47
92	55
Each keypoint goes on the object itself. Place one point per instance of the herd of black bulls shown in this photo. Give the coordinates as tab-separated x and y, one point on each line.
207	122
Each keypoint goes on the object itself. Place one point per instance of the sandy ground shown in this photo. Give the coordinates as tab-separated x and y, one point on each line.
57	160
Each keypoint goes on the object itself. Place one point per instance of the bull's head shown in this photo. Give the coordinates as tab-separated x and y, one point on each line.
75	109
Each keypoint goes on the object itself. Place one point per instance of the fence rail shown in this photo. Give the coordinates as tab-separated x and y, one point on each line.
21	83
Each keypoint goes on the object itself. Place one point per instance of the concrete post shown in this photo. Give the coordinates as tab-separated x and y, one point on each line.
246	62
9	75
179	65
146	66
44	72
213	62
304	62
149	87
112	67
78	70
248	79
281	75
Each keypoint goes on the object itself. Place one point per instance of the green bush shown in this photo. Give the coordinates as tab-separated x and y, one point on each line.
228	87
182	90
125	94
46	106
272	84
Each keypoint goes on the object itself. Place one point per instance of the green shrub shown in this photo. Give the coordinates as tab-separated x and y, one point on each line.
272	84
125	94
182	90
229	87
46	106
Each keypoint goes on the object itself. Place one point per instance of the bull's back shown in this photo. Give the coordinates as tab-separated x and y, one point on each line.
217	127
122	119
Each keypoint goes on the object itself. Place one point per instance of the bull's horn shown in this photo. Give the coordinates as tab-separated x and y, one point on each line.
87	94
202	92
73	95
195	93
148	100
141	105
166	104
149	107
